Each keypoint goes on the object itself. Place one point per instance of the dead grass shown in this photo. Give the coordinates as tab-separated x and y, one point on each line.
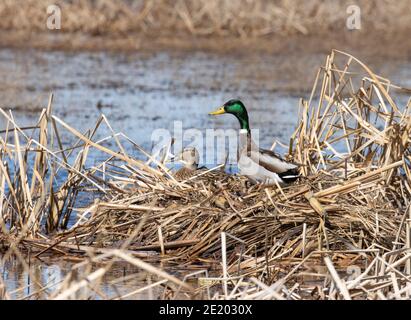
240	18
351	208
281	26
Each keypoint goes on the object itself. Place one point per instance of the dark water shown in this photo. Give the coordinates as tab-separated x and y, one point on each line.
140	93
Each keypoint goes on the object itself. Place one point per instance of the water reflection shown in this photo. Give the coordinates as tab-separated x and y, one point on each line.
40	279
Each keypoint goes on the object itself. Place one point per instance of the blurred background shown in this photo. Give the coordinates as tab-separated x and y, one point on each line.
148	63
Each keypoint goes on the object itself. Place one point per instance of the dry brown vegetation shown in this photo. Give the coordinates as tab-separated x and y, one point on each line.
218	25
351	207
216	17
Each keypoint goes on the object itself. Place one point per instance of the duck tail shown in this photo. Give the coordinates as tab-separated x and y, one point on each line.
290	175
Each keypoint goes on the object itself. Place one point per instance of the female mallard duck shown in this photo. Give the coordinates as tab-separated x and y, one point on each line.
190	159
259	165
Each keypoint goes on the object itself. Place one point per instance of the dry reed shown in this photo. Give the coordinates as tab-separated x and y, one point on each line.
240	18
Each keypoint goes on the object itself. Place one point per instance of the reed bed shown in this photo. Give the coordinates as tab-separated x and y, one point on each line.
240	18
342	232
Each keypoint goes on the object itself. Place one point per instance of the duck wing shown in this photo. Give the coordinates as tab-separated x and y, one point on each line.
273	162
269	160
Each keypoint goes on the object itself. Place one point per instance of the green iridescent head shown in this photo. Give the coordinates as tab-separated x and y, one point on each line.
236	108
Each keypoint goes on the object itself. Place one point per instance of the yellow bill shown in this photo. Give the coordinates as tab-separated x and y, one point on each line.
218	111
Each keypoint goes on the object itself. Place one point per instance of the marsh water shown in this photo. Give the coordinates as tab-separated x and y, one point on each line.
142	92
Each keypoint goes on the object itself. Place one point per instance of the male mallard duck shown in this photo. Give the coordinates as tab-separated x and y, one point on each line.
259	165
190	159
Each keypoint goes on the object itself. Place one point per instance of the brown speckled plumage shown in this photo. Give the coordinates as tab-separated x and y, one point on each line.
189	158
184	174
